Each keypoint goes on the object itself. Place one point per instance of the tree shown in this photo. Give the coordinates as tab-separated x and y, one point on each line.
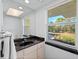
60	19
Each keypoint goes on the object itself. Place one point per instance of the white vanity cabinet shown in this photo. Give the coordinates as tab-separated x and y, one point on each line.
33	52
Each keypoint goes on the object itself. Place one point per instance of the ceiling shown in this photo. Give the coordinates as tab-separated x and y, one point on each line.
27	8
34	4
67	10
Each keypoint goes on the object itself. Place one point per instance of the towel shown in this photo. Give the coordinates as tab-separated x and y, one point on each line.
9	50
6	48
13	49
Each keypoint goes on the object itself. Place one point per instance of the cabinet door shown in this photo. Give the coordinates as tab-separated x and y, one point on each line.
20	54
30	53
40	51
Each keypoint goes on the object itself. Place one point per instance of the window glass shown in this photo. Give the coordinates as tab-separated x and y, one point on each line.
62	29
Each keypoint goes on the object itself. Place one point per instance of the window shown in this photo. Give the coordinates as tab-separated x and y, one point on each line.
62	29
62	22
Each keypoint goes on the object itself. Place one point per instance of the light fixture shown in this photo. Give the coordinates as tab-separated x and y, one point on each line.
27	1
14	12
20	8
40	0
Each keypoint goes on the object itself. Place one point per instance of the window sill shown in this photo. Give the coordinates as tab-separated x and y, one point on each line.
62	46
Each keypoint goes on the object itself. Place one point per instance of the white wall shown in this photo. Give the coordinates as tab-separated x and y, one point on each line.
41	22
13	24
56	53
1	14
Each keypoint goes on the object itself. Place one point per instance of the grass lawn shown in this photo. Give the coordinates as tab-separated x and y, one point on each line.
66	37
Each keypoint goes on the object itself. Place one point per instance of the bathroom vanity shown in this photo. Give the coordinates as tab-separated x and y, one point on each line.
32	50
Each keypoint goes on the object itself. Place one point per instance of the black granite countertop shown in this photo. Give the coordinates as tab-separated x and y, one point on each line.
33	39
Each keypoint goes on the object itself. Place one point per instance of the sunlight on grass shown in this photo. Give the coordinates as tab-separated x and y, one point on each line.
66	37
